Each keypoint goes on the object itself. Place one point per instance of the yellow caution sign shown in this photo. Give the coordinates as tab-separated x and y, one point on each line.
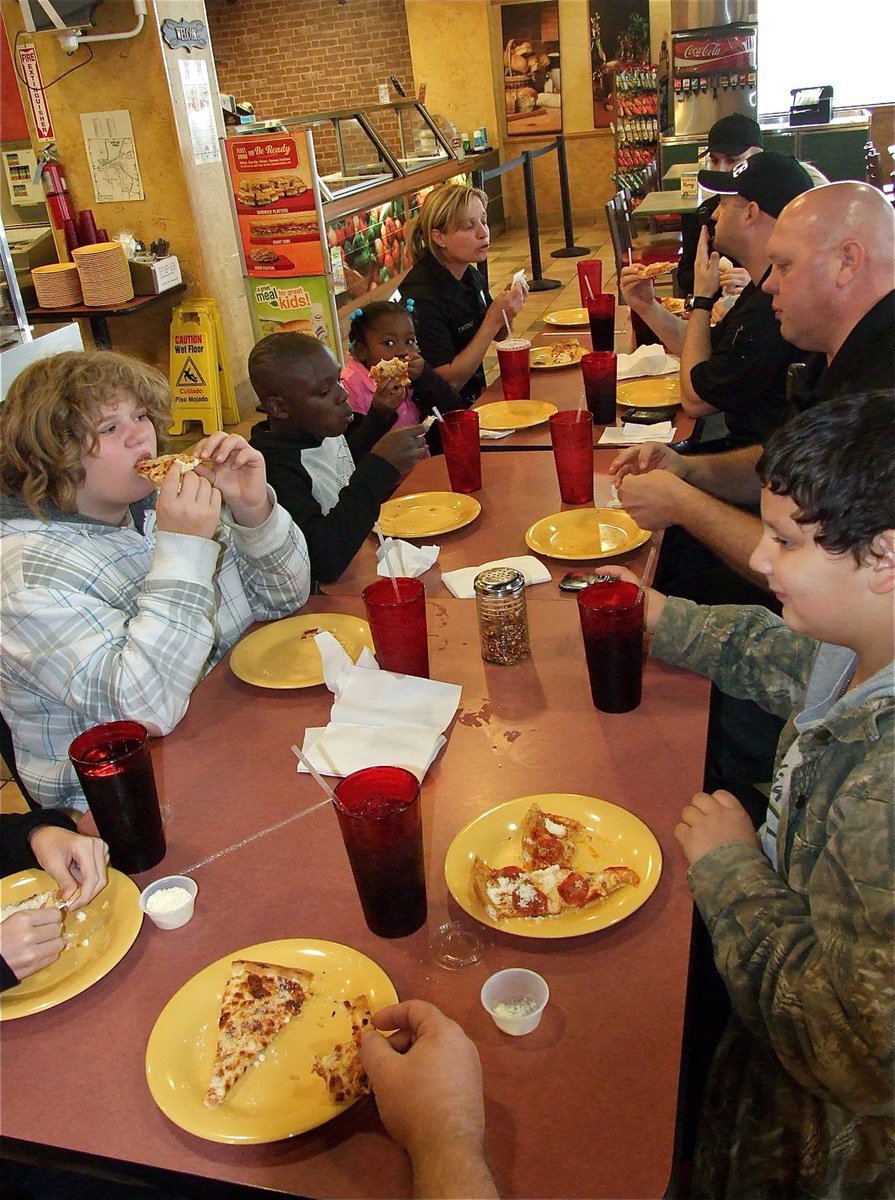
194	369
229	407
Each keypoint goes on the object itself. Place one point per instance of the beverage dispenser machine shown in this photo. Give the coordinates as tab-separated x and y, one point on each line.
713	75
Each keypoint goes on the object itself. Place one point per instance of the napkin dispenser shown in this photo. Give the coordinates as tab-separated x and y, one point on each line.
811	106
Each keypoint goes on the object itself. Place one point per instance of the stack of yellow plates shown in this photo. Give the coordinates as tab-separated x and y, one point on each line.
57	285
105	274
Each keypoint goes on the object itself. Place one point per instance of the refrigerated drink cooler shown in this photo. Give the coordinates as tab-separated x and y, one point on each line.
713	75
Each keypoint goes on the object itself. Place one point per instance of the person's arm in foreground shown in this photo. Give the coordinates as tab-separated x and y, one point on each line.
427	1081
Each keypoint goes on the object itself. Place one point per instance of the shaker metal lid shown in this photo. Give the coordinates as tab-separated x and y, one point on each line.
498	581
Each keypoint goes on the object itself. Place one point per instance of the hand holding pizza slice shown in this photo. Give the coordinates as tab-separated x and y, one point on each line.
156	469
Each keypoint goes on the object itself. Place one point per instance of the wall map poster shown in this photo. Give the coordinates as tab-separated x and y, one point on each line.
275	206
619	37
531	68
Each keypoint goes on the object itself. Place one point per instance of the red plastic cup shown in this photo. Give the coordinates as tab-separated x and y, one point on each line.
590	271
71	236
462	449
611	617
601	314
643	335
114	767
599	371
396	610
381	824
86	228
514	360
572	435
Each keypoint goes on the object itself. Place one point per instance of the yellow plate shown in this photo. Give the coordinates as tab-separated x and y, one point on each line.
97	942
585	533
514	414
282	1096
567	316
653	392
541	360
280	656
424	514
616	838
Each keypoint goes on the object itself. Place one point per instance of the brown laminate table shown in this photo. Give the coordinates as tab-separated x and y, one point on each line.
583	1107
517	490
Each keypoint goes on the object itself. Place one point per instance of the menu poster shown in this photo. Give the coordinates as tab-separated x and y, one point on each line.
298	305
275	207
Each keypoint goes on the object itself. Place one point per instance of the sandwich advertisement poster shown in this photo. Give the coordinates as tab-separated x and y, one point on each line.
275	207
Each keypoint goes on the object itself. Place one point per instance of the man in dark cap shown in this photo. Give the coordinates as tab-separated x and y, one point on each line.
731	141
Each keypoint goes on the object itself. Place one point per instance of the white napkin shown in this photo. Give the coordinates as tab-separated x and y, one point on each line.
406	559
459	583
630	434
646	360
493	434
378	718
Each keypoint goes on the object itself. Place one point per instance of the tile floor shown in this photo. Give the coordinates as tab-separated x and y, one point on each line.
509	252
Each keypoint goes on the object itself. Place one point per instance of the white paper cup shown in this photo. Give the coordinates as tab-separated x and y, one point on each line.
515	1000
175	917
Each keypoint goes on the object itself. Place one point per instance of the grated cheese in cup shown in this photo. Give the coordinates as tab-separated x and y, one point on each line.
167	900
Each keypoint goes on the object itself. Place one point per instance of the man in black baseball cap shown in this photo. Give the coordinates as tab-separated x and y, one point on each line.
770	180
732	140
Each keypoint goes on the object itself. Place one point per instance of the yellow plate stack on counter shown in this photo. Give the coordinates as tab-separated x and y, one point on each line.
105	274
58	285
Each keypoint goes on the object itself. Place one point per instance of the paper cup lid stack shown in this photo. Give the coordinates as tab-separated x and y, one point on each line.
57	285
105	274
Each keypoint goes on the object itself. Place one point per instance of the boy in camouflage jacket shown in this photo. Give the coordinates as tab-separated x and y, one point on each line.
800	1097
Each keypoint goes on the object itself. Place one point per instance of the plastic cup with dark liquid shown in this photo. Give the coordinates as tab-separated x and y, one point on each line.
572	435
611	617
462	449
599	372
381	823
396	610
601	315
514	361
114	767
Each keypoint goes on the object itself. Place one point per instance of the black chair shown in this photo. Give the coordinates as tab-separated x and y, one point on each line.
8	754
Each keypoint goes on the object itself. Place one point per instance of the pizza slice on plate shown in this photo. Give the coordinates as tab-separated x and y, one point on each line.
341	1069
156	469
549	840
259	1000
507	892
390	370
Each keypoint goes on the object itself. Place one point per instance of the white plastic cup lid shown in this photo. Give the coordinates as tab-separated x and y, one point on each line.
515	999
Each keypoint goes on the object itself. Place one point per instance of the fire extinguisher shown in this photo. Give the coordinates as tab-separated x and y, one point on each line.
52	176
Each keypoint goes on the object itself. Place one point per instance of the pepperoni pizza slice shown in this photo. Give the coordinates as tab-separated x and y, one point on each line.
549	840
508	892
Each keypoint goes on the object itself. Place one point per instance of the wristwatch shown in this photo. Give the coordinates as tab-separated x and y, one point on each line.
702	304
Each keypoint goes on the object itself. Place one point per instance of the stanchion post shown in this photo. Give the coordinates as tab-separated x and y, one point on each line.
570	250
538	282
478	181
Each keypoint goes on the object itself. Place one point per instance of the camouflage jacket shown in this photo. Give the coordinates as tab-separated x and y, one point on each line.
800	1098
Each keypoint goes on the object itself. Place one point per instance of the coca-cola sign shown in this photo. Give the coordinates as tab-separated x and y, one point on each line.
704	56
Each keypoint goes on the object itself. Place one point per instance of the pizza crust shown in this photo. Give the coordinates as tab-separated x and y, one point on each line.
341	1069
654	270
48	899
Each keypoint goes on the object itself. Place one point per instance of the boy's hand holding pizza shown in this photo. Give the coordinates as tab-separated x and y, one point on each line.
188	503
237	472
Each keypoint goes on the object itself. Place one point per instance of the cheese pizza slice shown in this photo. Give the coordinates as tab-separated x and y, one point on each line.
341	1069
549	840
49	899
390	370
653	270
259	1000
156	469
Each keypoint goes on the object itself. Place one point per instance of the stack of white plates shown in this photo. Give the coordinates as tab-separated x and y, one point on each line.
58	285
105	274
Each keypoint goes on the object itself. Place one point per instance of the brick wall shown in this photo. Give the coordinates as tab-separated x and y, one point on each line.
289	57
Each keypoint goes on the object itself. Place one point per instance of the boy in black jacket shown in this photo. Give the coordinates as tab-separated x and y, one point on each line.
330	469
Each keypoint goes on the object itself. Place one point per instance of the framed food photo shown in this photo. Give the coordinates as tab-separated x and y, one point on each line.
619	38
531	68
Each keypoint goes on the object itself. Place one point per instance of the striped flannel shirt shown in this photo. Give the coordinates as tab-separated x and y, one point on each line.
103	623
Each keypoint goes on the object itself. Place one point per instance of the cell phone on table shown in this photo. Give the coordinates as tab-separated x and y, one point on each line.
648	416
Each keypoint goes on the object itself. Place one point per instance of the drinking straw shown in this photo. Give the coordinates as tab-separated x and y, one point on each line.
590	290
506	321
387	561
313	772
646	570
630	257
437	414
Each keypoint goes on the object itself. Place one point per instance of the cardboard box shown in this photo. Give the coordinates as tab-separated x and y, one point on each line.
151	278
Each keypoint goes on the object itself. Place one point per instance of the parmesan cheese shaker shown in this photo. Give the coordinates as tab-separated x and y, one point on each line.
502	615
